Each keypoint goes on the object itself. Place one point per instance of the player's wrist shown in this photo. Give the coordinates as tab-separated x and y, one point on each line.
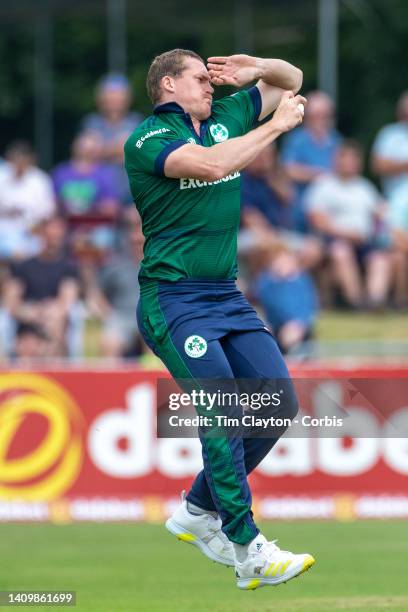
260	67
277	125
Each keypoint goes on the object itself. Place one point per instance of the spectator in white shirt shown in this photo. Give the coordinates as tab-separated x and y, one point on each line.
26	199
345	209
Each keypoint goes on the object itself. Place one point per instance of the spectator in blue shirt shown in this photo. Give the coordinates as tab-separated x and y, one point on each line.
390	152
267	197
267	189
398	221
390	162
289	299
398	217
308	151
114	122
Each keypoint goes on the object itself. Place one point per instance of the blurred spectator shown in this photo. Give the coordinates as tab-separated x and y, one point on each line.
345	209
277	258
114	123
87	196
118	293
267	198
390	151
289	299
398	217
30	343
26	199
390	162
398	221
309	150
267	189
43	291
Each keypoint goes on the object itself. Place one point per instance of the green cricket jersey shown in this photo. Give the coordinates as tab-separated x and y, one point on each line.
190	225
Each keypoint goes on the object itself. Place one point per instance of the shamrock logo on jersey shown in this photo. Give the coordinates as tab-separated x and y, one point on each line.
195	346
219	132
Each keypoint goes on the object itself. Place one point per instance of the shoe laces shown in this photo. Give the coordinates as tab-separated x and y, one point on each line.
271	548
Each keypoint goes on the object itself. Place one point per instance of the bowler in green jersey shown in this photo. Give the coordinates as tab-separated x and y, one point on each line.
184	164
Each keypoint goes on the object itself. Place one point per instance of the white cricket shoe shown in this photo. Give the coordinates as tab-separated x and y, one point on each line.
268	565
203	531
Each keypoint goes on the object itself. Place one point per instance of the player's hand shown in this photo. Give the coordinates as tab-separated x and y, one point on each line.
290	112
236	70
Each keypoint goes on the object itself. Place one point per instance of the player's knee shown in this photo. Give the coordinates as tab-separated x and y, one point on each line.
289	403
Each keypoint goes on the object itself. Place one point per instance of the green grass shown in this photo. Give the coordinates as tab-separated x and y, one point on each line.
141	568
337	325
331	326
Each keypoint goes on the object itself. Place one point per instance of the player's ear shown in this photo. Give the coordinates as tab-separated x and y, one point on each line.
168	84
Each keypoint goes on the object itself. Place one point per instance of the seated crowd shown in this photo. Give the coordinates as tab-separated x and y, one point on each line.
314	231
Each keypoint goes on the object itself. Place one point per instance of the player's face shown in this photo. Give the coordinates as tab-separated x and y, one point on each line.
193	89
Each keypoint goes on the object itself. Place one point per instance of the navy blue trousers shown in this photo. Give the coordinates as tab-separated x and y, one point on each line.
207	330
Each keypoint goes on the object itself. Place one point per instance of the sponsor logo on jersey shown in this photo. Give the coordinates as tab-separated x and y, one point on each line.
219	132
195	346
189	183
141	140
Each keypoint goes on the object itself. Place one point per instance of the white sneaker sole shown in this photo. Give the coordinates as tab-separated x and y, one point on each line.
186	536
250	584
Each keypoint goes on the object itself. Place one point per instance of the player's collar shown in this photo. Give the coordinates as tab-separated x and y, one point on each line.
168	107
174	107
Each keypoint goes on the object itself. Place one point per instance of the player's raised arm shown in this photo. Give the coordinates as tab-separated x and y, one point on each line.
273	76
215	162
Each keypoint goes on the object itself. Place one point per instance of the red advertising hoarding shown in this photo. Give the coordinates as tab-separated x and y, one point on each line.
82	445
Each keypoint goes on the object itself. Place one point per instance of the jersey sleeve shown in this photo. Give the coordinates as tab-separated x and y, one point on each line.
146	151
243	106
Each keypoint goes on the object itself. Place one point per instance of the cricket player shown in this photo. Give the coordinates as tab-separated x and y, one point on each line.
184	164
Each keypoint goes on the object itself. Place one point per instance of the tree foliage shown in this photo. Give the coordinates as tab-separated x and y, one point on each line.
372	53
